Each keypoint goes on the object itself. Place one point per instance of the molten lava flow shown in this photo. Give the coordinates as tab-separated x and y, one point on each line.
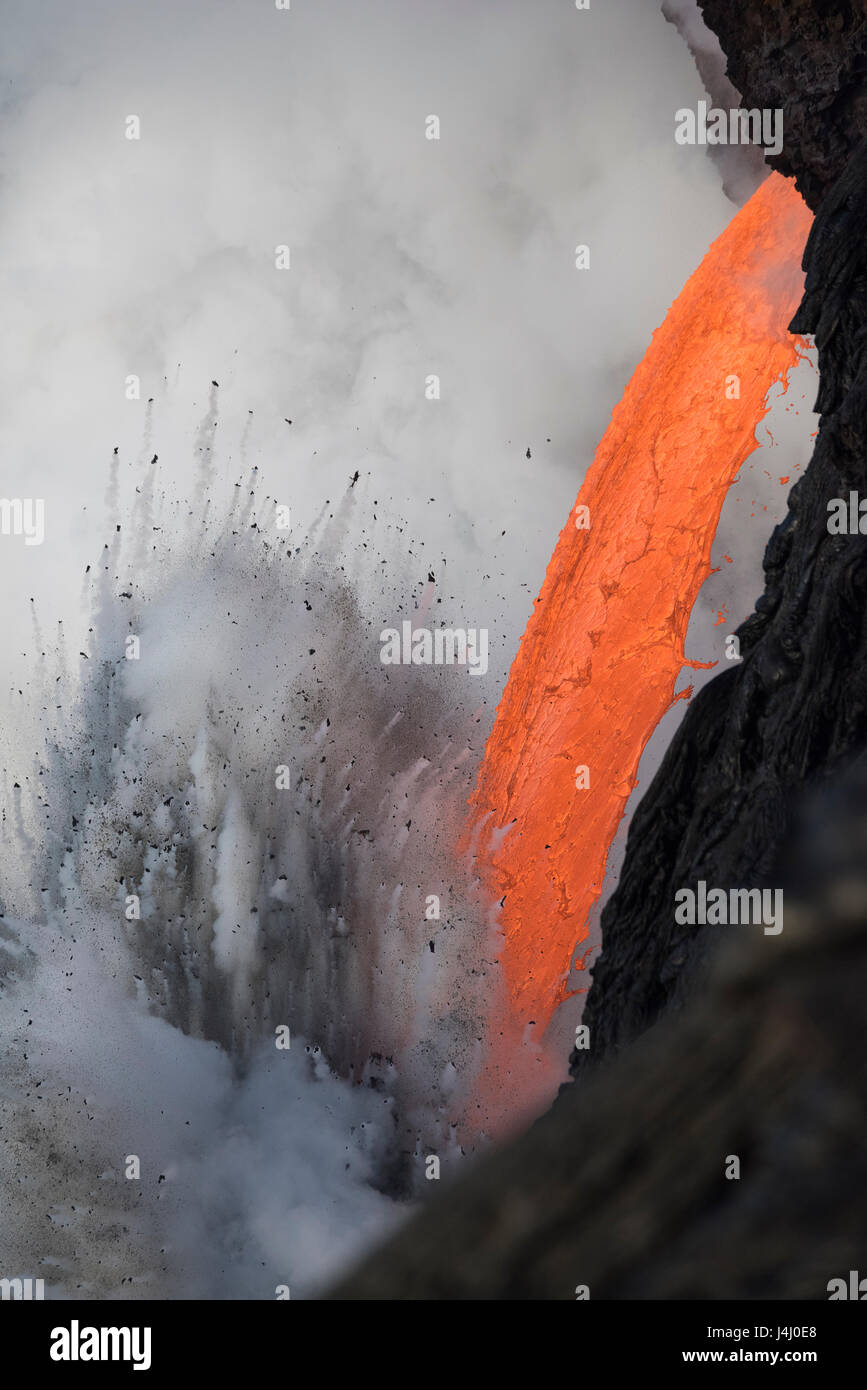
597	665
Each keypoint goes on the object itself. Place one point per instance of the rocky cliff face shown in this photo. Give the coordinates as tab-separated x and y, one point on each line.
809	58
793	712
627	1185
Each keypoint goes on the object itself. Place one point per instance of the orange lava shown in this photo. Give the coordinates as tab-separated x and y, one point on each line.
599	660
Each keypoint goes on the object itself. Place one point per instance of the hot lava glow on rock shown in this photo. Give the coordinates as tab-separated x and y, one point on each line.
599	661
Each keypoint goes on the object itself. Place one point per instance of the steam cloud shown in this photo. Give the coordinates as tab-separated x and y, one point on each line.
263	906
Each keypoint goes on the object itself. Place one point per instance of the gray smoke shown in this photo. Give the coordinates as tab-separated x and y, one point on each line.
235	826
741	167
303	905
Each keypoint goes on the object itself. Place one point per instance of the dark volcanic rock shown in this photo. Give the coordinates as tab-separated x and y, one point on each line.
793	712
809	58
622	1186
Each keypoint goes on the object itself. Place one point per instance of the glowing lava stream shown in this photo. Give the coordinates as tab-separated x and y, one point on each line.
598	662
